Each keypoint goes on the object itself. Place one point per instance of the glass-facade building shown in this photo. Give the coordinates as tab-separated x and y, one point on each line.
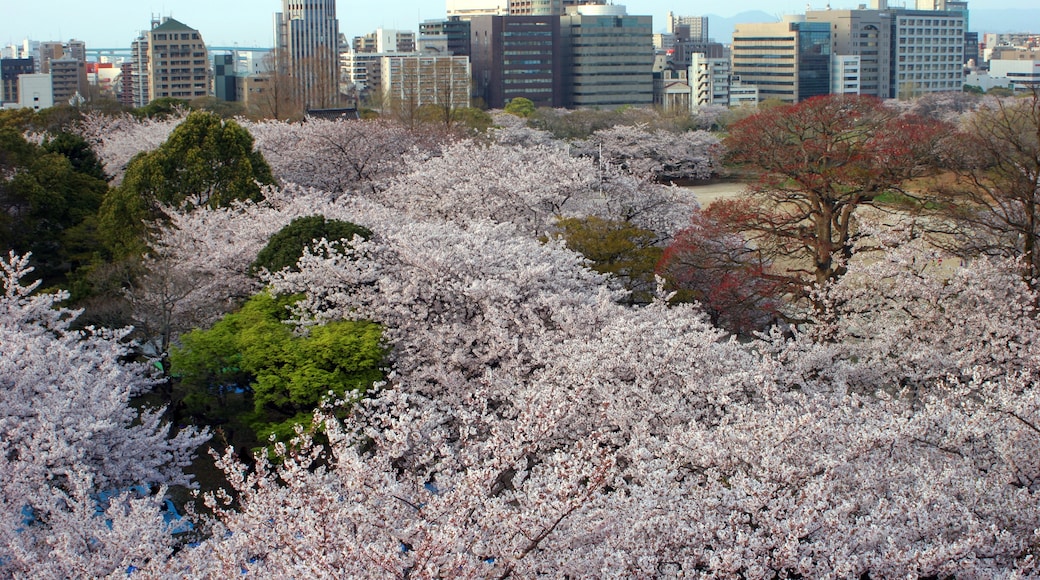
307	35
789	61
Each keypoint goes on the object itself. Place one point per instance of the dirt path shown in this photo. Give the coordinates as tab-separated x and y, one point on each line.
710	192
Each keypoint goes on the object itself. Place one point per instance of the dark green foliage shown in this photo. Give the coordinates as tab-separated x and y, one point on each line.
78	152
621	249
161	108
285	247
48	199
254	353
205	162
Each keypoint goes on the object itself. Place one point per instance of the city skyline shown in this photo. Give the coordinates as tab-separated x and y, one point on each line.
250	23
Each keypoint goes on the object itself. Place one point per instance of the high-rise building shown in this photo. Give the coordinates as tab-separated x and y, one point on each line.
448	36
139	94
178	62
868	35
609	57
709	80
517	56
903	53
688	27
68	79
49	51
76	49
125	90
789	61
929	51
307	41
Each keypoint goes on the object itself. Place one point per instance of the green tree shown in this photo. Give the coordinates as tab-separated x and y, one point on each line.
205	162
161	108
47	204
618	248
254	352
284	248
520	106
78	152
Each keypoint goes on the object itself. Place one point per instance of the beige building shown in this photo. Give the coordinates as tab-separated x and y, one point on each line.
789	61
410	82
177	62
868	35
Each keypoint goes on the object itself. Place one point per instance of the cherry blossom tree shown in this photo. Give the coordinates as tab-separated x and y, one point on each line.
660	155
118	139
532	424
68	432
339	156
992	203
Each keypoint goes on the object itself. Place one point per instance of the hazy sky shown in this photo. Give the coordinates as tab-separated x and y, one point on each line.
115	23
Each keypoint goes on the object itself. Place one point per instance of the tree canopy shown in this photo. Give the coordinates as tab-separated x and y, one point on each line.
289	243
820	162
286	375
49	196
205	162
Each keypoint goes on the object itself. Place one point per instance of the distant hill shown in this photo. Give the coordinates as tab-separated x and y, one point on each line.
989	20
982	20
721	29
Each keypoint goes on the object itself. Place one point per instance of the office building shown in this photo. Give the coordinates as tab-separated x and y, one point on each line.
307	41
929	51
609	57
10	70
868	35
449	36
789	61
414	81
517	56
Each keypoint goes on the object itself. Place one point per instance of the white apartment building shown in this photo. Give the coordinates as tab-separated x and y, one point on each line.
709	80
35	91
845	74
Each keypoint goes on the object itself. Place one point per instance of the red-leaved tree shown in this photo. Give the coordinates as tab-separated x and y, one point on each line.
819	163
707	264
